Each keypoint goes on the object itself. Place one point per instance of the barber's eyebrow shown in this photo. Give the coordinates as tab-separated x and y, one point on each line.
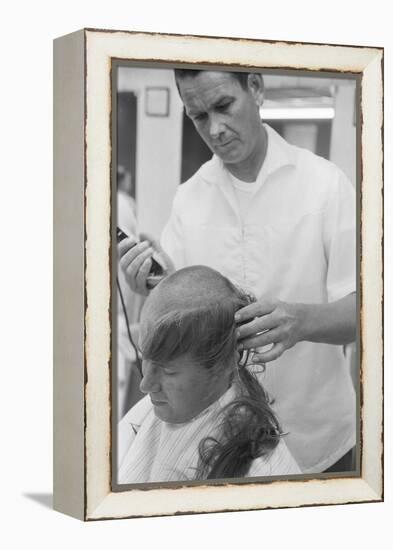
223	99
220	101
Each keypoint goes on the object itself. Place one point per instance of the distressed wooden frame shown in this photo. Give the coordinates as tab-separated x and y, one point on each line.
82	258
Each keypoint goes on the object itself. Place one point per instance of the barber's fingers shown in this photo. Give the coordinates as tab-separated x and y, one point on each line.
129	249
126	245
134	266
273	353
269	337
256	309
256	325
142	274
133	259
131	264
166	261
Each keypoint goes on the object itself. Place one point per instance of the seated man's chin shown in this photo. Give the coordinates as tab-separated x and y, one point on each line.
166	415
160	412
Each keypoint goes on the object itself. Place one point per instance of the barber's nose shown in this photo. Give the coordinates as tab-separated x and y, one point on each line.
150	382
216	127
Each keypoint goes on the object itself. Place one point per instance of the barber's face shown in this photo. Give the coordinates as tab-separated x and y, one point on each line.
225	115
179	390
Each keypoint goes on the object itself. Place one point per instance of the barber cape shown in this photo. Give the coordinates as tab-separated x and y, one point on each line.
151	450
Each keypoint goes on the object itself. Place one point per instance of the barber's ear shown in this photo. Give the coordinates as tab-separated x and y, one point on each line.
256	87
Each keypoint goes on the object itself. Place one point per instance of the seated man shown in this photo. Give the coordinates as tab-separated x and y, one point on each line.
205	415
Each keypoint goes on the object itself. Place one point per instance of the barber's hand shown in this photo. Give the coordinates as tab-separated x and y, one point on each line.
136	259
269	322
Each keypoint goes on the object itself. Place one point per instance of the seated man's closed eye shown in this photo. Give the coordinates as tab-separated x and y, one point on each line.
205	415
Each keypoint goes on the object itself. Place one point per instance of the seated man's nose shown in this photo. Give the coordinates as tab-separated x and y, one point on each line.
149	384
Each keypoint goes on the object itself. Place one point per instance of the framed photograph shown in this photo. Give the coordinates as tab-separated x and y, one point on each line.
218	274
157	101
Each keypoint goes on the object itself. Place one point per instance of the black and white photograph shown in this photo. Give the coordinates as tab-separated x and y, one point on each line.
235	241
220	347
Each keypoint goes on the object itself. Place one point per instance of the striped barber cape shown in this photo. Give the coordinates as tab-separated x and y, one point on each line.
151	450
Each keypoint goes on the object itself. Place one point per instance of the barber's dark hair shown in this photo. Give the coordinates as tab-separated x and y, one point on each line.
248	427
242	77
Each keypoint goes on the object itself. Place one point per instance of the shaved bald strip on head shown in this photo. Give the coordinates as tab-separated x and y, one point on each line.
192	312
192	287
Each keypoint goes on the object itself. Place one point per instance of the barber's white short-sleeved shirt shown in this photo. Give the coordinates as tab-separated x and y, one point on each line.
297	243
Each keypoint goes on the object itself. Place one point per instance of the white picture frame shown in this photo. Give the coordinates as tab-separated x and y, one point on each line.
83	275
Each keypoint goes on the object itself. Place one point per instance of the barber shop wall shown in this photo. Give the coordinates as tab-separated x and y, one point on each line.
158	147
343	139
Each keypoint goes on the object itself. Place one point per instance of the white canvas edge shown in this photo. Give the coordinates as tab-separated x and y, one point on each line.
100	501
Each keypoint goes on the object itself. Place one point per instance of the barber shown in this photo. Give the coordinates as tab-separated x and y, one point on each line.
279	221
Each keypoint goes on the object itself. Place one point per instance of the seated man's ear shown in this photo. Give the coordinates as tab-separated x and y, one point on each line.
257	87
